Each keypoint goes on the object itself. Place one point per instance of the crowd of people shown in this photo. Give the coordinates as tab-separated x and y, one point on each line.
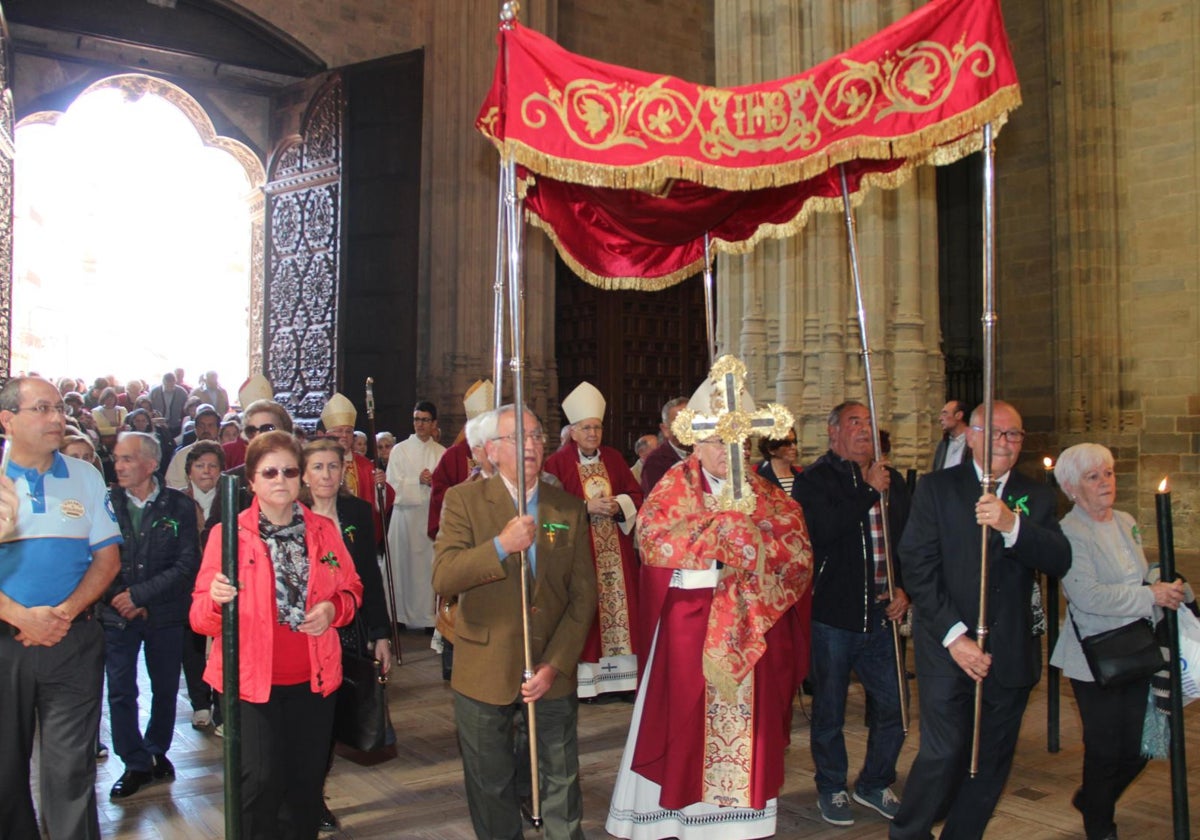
703	593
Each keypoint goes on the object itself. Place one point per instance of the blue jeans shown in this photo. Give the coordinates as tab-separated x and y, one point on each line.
164	659
835	653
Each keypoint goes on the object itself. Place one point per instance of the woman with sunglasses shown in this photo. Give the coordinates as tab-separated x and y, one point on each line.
296	585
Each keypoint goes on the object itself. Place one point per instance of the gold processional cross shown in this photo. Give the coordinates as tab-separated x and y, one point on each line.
732	424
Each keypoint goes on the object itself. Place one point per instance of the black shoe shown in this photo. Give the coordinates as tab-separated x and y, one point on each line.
328	821
163	768
131	782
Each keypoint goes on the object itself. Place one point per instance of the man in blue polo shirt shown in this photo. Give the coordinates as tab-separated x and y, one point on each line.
61	557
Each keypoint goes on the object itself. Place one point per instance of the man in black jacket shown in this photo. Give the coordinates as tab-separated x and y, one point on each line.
147	605
841	495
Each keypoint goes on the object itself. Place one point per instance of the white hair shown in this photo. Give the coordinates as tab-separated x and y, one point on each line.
1078	459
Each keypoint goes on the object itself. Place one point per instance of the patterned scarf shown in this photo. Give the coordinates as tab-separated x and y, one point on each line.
289	556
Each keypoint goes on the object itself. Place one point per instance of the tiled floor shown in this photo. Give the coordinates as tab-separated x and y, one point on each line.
419	793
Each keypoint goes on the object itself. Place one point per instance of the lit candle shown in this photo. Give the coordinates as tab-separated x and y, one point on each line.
1048	466
1166	537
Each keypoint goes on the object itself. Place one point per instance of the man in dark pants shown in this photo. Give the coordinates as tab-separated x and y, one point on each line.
147	606
841	496
477	558
940	551
61	557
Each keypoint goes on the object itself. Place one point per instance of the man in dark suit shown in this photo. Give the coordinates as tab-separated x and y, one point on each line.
952	449
477	559
940	552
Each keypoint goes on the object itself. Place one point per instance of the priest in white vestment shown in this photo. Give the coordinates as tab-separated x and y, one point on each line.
410	474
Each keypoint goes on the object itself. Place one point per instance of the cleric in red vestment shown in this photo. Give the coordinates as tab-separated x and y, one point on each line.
599	475
704	758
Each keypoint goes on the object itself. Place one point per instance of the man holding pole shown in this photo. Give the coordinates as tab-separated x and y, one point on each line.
478	559
941	553
841	496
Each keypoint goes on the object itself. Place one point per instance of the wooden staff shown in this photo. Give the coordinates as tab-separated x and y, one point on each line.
381	503
988	481
852	243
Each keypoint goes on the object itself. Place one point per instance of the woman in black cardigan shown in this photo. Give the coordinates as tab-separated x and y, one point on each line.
323	491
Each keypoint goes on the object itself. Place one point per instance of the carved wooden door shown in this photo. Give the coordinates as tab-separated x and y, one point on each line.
341	234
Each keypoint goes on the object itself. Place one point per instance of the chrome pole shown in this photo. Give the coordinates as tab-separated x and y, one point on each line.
852	242
516	311
710	316
988	481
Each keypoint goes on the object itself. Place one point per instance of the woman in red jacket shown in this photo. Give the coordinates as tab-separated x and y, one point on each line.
297	584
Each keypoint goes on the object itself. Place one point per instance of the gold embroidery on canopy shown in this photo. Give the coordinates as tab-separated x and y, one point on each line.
600	115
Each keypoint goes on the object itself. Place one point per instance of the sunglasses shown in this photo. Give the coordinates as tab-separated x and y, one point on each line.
251	431
271	473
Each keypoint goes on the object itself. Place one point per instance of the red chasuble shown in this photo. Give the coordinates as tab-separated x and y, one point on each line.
453	468
615	631
717	712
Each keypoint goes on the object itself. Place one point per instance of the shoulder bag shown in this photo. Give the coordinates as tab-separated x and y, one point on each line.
1123	655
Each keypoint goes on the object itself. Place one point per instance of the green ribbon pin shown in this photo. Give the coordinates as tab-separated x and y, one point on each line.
1021	504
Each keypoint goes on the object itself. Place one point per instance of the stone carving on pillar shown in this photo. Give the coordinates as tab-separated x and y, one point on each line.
303	258
1086	227
792	300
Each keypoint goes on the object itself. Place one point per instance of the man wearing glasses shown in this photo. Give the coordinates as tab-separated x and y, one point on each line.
60	559
478	559
410	474
255	393
598	475
940	552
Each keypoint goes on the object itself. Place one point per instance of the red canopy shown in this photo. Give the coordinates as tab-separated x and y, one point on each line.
627	171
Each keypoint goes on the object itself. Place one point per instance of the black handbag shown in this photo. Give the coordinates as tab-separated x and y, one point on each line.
360	719
1123	655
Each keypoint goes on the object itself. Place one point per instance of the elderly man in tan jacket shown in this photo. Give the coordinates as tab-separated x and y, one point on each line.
477	559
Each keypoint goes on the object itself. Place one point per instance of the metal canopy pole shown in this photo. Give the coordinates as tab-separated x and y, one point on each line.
710	310
988	481
852	243
516	311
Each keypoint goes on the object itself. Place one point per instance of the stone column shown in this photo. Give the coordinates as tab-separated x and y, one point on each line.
789	307
459	202
1086	227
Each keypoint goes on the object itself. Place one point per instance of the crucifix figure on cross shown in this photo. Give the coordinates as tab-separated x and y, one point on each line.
732	419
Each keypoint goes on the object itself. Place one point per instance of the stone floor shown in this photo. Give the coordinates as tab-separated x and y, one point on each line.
419	793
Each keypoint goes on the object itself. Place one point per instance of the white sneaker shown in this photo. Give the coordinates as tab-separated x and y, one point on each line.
201	718
220	730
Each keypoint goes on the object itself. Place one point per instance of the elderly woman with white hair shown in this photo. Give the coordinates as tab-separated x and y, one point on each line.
1106	589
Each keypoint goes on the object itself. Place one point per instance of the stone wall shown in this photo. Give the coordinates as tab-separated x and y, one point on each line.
1098	180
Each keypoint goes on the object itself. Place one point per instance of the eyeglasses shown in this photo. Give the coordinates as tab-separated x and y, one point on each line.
272	473
536	438
591	430
422	419
43	409
1011	435
251	431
